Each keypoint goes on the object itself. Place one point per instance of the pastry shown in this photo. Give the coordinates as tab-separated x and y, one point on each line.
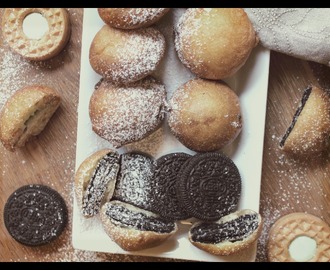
126	56
133	185
164	180
205	115
214	43
229	234
209	186
35	215
95	181
309	131
41	48
131	18
126	114
133	228
290	227
26	113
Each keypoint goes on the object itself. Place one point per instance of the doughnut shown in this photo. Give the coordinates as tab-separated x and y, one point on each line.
95	181
228	235
131	18
125	56
25	114
133	228
205	115
309	131
299	227
40	48
209	186
126	114
214	43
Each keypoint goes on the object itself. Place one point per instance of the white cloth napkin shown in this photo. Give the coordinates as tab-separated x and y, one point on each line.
300	32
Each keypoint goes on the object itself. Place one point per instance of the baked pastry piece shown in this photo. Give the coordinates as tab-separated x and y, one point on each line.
95	181
209	186
133	228
43	48
125	56
26	113
125	114
131	18
214	43
205	115
309	131
228	235
35	215
292	226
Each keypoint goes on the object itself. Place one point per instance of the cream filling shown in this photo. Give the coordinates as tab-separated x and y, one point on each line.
302	248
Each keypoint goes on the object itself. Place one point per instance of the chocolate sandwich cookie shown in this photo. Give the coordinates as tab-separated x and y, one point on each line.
133	181
164	186
209	186
35	215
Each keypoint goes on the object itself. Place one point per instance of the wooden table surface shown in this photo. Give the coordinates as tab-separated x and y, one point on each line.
287	185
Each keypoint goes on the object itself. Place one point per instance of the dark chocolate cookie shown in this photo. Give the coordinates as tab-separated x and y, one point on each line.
35	215
133	181
164	186
209	186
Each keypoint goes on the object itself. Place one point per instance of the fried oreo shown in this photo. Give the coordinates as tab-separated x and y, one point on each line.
209	186
35	215
164	182
133	180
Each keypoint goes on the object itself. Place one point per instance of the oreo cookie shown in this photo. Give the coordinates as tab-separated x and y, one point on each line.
35	215
133	180
209	186
164	183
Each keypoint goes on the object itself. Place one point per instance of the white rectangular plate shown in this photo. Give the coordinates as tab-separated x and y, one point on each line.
250	83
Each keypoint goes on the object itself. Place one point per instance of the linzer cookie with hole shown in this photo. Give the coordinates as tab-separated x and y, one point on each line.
309	131
35	215
229	234
26	113
164	181
209	186
49	44
95	181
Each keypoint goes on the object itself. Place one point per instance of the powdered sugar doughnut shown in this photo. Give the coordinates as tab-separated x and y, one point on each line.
125	114
131	18
125	56
214	43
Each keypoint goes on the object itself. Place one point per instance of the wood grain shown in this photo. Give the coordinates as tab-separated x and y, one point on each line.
287	185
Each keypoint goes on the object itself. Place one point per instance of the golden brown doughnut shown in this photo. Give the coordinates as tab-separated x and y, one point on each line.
205	115
228	235
26	113
125	114
131	18
133	228
46	47
289	227
309	131
95	181
125	56
214	43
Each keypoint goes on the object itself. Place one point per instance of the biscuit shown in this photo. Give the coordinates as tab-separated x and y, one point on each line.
26	113
289	227
209	186
43	48
229	234
35	215
164	180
